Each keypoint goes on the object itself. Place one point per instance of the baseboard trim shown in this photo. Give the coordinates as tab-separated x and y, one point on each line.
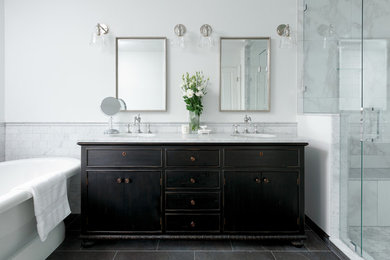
325	237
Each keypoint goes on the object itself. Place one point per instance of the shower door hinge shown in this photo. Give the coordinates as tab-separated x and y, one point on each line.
298	220
298	180
160	181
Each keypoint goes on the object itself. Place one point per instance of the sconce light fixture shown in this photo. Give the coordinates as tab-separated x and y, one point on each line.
327	32
286	40
98	36
180	31
206	40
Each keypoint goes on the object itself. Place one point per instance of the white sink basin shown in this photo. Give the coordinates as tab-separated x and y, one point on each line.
133	135
256	135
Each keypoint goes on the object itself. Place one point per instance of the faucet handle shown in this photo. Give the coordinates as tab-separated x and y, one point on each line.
129	128
148	131
235	131
256	131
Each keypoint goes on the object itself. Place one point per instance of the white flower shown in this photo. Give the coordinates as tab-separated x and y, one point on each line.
199	93
190	93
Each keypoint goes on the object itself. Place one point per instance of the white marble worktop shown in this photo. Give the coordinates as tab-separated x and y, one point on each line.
192	138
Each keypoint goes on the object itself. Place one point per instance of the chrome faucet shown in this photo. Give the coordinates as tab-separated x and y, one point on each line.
137	123
247	119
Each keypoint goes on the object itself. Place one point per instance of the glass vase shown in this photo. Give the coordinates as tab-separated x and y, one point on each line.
194	121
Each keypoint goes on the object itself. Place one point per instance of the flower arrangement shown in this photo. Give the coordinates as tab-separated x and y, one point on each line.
194	88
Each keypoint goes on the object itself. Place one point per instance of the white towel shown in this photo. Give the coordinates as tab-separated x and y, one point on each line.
51	204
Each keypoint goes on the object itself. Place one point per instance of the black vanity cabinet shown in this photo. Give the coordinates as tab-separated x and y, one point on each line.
214	191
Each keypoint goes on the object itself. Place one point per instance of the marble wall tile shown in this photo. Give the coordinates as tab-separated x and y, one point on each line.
383	203
2	142
370	203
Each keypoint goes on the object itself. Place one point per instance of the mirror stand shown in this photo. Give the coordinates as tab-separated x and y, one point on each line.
111	130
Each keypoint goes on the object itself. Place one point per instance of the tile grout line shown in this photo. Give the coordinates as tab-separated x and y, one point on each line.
116	252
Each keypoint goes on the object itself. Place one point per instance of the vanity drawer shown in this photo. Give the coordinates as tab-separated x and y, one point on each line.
192	201
262	157
192	179
192	157
192	222
124	157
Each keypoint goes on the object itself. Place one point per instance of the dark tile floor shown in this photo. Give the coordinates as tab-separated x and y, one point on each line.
314	248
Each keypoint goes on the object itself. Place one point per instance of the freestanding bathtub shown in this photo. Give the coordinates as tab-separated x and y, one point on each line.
18	231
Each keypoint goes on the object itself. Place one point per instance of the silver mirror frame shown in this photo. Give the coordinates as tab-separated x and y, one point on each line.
268	73
166	69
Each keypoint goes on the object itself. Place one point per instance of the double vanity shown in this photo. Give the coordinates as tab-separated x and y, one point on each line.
174	186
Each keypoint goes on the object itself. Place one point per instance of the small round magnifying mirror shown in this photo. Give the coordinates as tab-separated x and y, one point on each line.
110	106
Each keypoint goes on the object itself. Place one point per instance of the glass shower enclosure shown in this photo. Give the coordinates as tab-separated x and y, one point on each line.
346	71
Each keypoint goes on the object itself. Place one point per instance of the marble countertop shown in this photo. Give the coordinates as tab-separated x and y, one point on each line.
192	138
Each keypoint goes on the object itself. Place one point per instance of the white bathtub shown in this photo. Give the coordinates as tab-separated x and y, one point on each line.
18	232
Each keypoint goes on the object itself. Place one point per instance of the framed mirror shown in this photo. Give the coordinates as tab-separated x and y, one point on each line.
141	73
245	74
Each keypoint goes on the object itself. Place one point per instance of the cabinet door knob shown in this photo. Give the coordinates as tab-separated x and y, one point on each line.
192	180
192	224
119	180
266	180
127	180
257	180
193	159
192	202
124	154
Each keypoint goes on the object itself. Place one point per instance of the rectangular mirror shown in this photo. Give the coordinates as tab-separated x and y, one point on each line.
245	74
141	73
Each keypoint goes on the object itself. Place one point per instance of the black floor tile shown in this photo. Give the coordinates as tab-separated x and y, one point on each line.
79	255
247	245
282	246
305	256
194	245
71	242
313	242
234	255
123	245
154	256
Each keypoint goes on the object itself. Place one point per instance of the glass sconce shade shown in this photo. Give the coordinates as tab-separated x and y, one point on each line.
206	40
180	31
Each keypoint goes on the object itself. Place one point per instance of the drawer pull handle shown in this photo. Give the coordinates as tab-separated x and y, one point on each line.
261	154
257	180
192	180
192	202
124	154
193	159
119	180
266	180
127	180
192	224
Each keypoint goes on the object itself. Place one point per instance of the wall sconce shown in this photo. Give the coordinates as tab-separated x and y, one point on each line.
327	32
98	36
206	40
179	41
286	40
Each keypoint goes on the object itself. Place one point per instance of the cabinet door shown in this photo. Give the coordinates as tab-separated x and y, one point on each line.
124	201
261	201
280	199
242	201
142	196
105	205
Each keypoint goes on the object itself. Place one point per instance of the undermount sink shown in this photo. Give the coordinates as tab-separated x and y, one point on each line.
129	135
256	135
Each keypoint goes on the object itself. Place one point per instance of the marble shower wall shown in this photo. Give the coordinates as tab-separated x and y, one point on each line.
29	140
376	169
324	23
2	142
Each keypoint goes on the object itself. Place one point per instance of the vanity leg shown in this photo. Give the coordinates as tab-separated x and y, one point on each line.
297	243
